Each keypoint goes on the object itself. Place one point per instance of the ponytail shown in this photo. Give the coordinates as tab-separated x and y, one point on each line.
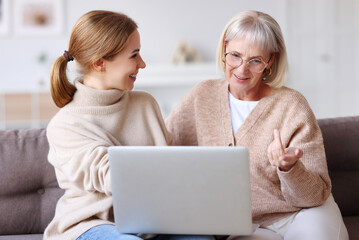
62	91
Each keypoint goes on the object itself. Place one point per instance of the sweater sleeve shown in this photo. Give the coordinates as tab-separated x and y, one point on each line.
81	155
181	123
307	184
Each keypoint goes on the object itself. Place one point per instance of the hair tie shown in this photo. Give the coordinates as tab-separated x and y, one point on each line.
68	56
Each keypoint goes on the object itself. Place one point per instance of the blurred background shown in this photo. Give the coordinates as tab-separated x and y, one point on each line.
179	41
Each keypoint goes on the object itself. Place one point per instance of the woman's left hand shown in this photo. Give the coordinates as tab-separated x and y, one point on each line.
283	158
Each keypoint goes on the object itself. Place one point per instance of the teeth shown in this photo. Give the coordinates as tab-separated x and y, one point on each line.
133	75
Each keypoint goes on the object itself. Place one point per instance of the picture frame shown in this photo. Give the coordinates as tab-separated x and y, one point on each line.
4	17
38	17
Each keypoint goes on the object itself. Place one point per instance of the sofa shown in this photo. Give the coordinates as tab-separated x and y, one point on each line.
29	190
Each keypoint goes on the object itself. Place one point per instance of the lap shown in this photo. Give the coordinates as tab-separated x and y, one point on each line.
106	232
184	237
109	232
323	222
259	234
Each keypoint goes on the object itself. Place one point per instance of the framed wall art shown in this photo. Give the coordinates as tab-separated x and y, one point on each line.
4	17
38	17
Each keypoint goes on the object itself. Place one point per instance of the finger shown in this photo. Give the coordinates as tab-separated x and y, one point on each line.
278	151
288	158
285	166
273	159
269	154
277	138
298	153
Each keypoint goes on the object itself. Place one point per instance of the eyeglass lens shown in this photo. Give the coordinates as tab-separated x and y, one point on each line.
254	65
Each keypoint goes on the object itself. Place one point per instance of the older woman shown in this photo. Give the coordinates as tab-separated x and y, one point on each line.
290	185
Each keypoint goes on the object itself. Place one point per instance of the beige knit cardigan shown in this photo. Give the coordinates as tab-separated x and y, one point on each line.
203	118
79	136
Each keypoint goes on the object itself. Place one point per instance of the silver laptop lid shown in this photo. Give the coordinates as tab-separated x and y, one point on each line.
181	190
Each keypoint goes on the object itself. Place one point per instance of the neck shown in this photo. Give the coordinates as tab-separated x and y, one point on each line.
94	80
260	92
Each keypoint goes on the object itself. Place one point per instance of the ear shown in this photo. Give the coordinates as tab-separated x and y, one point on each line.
99	65
271	60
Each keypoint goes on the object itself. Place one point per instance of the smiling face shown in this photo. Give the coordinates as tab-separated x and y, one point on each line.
120	71
245	84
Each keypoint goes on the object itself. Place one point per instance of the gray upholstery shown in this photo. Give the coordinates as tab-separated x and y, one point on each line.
29	191
22	237
341	141
28	186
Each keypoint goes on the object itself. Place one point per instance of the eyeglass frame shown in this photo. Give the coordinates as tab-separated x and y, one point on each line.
265	63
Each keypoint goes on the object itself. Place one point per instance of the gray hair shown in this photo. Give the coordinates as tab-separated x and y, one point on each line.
261	29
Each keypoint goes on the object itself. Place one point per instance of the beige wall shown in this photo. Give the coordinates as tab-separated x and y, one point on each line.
23	110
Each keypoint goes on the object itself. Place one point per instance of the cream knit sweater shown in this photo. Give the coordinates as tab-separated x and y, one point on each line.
79	136
203	118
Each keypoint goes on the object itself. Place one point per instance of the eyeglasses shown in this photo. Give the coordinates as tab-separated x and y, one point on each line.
254	65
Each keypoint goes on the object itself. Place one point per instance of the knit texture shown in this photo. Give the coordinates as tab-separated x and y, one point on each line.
203	118
79	135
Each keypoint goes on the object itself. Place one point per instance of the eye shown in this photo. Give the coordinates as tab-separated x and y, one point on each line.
236	55
255	61
134	55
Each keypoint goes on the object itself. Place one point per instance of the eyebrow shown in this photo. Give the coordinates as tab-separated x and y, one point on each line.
249	57
136	50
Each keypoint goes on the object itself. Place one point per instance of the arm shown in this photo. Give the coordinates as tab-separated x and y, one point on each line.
81	156
301	164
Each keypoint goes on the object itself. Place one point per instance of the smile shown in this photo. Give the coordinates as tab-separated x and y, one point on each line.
241	78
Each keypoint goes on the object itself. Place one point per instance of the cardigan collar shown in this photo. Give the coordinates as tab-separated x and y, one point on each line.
249	122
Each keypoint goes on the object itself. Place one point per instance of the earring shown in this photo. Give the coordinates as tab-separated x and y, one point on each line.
266	74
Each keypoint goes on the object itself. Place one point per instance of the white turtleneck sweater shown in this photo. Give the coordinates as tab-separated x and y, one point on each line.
79	135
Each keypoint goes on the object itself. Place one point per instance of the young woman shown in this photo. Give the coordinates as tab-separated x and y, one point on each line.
98	111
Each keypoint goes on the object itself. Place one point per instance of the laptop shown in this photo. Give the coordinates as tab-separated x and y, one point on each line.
181	190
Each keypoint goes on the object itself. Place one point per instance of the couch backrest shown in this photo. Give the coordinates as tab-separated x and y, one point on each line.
341	141
29	189
28	185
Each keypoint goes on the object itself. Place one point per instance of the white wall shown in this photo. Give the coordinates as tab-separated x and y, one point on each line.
324	46
163	23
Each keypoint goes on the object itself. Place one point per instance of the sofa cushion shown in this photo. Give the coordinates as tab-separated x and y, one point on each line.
22	237
28	185
341	139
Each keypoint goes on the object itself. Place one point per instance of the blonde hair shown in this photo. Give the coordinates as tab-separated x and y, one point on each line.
261	29
96	35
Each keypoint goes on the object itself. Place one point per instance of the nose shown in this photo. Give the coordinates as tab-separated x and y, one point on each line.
141	63
243	67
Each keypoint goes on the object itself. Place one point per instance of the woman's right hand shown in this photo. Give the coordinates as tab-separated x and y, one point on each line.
283	158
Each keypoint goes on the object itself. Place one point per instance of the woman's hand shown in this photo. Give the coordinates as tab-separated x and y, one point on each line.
282	158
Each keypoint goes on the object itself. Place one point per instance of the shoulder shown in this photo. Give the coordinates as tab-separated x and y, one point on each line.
210	84
286	92
200	98
141	96
207	89
63	121
289	96
291	102
143	100
59	127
